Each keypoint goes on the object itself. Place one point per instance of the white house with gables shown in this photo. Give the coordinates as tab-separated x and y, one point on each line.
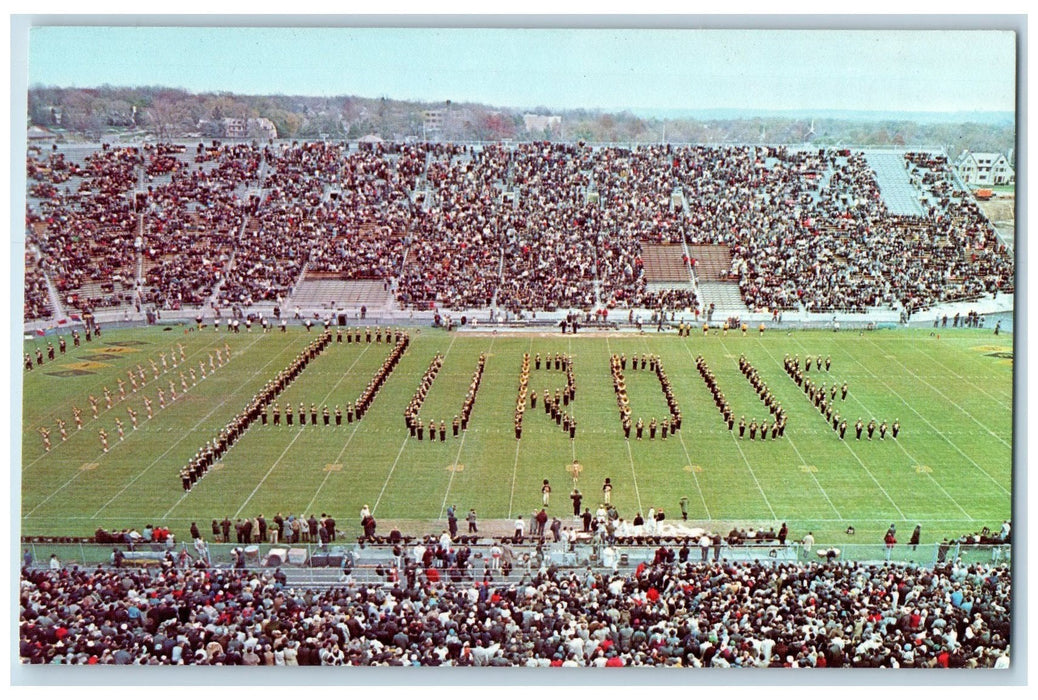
984	169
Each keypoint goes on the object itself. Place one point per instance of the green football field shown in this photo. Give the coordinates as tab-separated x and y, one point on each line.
949	470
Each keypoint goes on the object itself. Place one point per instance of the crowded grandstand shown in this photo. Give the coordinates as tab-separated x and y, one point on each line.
516	230
520	228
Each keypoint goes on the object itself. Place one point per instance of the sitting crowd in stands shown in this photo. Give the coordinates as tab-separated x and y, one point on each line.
530	226
669	612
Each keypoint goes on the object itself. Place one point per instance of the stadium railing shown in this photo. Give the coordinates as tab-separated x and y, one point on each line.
313	563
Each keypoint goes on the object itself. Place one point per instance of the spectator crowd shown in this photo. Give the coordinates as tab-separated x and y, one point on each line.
525	227
669	613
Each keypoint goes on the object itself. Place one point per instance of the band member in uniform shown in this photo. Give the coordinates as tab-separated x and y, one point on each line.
61	344
61	429
349	411
133	417
858	428
327	415
843	428
338	415
895	429
104	439
289	416
545	492
638	428
607	491
45	434
843	392
871	427
313	414
883	430
753	429
277	413
455	425
742	426
263	415
652	429
443	431
77	415
302	414
119	428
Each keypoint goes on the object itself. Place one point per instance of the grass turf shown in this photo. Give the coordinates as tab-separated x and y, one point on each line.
950	469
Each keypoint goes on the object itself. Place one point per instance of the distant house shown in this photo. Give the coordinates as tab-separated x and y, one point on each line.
38	133
539	123
432	121
984	169
235	128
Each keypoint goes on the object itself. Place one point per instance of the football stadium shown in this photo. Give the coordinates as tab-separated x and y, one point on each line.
538	403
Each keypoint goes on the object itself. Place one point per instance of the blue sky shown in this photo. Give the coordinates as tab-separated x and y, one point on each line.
934	71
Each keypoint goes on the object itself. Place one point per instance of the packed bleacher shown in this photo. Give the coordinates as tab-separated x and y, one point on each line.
676	613
525	227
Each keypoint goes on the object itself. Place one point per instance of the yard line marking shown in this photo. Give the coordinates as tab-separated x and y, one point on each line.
688	456
916	461
741	453
759	488
934	428
356	426
145	470
867	470
971	416
515	465
91	419
630	454
695	478
750	518
634	475
392	468
389	475
182	438
324	402
572	404
966	379
269	472
461	445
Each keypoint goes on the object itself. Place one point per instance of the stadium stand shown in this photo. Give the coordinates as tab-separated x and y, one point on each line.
518	227
667	612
